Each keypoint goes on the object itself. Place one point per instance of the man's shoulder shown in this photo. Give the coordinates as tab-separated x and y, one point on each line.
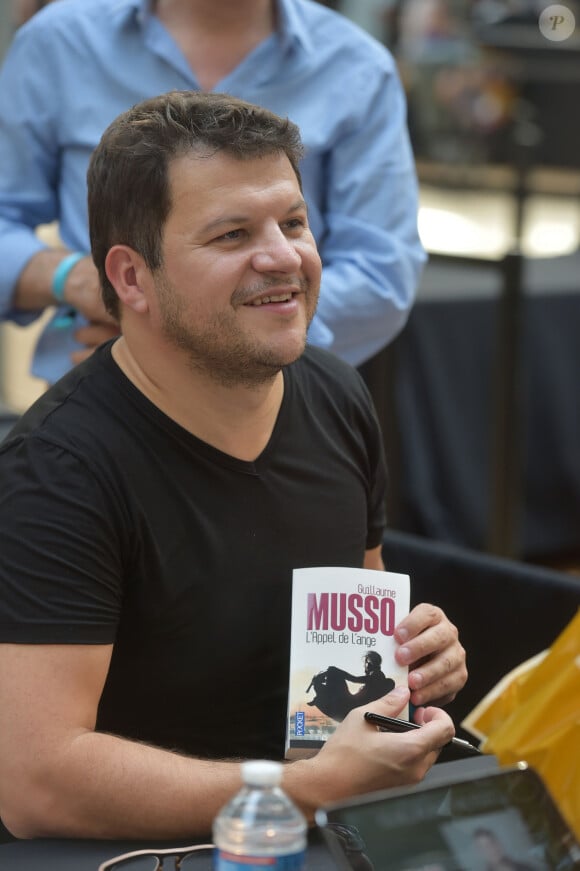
67	16
78	9
335	29
74	405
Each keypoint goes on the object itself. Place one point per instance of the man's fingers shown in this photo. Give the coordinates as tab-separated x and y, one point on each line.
429	646
434	633
389	705
439	691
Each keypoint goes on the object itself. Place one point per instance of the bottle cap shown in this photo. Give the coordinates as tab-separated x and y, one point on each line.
261	772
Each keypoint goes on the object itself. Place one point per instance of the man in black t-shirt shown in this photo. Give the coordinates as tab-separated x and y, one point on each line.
155	501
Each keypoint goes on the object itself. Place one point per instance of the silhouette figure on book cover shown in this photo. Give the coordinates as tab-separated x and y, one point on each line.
333	696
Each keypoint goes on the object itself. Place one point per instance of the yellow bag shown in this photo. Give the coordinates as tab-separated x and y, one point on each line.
533	714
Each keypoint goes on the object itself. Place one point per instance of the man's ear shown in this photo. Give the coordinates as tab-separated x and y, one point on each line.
127	272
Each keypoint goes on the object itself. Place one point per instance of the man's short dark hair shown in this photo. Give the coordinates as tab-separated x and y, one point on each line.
129	194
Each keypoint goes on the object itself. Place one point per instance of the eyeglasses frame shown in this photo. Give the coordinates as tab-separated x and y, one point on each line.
179	853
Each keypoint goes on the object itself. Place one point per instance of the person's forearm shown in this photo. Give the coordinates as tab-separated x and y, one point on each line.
105	787
79	286
378	304
33	290
95	785
102	786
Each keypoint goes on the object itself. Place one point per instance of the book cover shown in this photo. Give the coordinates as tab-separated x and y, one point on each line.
341	649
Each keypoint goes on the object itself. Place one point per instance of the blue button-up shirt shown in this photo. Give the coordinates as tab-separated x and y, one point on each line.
76	65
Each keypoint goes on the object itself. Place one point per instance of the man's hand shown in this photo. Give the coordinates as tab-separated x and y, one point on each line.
358	758
429	646
82	292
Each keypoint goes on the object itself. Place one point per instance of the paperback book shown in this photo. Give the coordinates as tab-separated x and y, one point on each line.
342	650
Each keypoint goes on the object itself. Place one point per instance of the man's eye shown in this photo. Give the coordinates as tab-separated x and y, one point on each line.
231	235
295	224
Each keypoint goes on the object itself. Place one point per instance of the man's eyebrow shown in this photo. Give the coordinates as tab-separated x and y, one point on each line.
296	206
226	219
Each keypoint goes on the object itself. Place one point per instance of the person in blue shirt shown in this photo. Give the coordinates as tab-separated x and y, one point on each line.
75	66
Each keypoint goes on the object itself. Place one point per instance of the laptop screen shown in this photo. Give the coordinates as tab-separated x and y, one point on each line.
503	820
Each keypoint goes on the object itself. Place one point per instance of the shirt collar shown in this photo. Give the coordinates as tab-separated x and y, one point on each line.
142	10
292	29
128	10
139	9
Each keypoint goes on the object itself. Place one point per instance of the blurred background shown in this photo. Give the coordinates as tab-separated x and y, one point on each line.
479	396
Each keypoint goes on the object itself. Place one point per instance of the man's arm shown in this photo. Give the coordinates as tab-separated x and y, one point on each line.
29	157
374	559
58	777
81	292
371	252
81	289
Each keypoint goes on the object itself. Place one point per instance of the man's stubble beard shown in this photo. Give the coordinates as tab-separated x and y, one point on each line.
235	362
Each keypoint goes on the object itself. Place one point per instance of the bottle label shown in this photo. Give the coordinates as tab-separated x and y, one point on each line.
225	861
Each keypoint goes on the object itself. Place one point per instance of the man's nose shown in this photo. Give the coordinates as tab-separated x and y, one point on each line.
276	253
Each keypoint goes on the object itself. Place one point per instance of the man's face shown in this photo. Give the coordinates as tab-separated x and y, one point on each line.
241	273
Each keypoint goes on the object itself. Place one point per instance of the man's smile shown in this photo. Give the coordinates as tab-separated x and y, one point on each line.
281	297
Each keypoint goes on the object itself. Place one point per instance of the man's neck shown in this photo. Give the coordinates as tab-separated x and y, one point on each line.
216	35
237	420
223	16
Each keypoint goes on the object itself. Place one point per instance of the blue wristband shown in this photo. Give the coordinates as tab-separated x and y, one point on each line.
61	274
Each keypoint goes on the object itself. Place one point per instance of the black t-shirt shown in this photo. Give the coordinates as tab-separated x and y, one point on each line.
118	526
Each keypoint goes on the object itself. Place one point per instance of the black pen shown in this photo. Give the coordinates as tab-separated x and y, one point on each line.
460	747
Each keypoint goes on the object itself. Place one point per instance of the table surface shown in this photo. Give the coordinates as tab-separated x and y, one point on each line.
76	855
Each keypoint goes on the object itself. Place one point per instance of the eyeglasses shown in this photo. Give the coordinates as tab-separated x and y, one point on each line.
153	860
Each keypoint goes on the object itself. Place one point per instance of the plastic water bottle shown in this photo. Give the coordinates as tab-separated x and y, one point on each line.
260	826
